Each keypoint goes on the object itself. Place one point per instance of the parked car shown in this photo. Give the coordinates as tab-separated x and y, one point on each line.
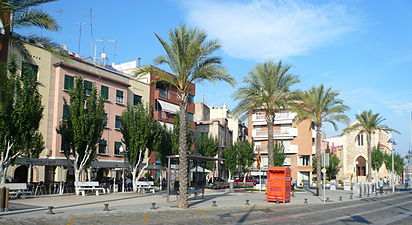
218	182
248	180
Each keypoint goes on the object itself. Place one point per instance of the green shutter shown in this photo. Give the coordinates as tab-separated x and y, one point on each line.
118	123
105	92
137	100
65	112
68	82
117	148
119	93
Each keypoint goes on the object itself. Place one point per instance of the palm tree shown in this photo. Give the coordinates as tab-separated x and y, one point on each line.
321	105
368	122
19	14
188	54
267	89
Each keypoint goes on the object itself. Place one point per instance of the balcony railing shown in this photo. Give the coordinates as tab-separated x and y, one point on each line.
291	149
290	132
279	117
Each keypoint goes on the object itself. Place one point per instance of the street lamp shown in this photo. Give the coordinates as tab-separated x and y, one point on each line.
123	152
393	166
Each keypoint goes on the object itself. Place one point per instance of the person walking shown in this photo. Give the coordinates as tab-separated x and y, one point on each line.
373	182
380	185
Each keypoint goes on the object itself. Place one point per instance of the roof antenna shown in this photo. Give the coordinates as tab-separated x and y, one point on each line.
80	36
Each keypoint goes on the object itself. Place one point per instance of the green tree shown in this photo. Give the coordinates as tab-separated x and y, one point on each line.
377	159
238	156
267	88
18	15
333	169
83	129
278	154
398	163
175	134
368	122
321	105
140	134
20	115
165	145
209	147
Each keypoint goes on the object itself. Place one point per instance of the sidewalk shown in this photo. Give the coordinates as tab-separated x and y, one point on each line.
131	202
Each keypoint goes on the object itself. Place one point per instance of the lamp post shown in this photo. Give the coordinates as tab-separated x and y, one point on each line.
393	166
122	151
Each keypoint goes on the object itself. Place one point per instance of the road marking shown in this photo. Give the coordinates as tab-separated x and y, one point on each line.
396	218
366	212
311	213
200	212
72	221
145	217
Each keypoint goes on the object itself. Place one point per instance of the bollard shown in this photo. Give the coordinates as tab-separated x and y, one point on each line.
306	201
293	194
386	192
351	196
50	210
247	202
376	193
153	205
327	199
277	202
381	193
106	207
340	198
214	203
367	195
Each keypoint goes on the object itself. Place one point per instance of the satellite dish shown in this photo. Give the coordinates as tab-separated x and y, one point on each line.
103	55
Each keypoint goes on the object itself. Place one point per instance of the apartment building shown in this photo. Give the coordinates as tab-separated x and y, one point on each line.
297	139
55	78
351	149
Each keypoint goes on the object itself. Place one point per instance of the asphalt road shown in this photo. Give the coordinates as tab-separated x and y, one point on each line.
391	209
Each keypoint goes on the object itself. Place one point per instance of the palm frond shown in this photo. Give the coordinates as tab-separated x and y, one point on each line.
35	18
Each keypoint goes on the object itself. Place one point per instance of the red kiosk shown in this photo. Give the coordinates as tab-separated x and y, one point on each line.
278	186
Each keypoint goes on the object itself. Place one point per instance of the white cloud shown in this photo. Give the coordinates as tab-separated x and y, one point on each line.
260	29
402	108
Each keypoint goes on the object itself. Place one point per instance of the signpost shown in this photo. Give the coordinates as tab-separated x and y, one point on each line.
325	163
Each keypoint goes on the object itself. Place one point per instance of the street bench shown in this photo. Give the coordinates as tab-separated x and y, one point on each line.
195	192
145	185
82	187
17	189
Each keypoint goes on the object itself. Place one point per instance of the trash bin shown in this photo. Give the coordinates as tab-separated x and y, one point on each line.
4	199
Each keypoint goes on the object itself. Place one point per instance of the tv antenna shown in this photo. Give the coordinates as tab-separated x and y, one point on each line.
80	35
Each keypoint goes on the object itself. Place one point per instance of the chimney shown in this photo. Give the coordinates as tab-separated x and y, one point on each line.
138	61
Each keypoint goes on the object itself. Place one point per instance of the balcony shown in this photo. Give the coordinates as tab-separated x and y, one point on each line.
287	162
288	133
163	116
280	118
291	149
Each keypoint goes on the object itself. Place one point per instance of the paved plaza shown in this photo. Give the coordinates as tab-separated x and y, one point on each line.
131	208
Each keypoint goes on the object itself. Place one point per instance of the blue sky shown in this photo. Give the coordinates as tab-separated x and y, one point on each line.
361	48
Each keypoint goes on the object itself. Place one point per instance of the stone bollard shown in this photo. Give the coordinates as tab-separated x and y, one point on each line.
340	198
306	201
214	203
351	196
106	207
50	210
247	202
367	195
153	205
327	199
376	193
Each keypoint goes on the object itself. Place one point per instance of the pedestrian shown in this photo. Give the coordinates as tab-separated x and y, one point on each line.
128	184
380	185
373	185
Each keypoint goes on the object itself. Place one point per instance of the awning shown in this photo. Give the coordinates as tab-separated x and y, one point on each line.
169	107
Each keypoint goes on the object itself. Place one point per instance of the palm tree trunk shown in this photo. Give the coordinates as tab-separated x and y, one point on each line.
368	142
183	203
318	158
270	122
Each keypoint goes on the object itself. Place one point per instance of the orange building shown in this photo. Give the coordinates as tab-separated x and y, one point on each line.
297	139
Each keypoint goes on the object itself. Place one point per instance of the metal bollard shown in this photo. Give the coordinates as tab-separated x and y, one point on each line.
277	202
306	201
50	210
214	203
386	192
247	202
367	195
340	198
351	196
327	199
106	207
376	193
153	205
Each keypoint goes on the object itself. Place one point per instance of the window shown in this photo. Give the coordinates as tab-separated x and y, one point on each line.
106	119
190	99
66	112
119	96
104	92
29	70
117	147
137	100
68	82
162	87
118	123
190	116
88	87
304	160
359	139
102	146
287	161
